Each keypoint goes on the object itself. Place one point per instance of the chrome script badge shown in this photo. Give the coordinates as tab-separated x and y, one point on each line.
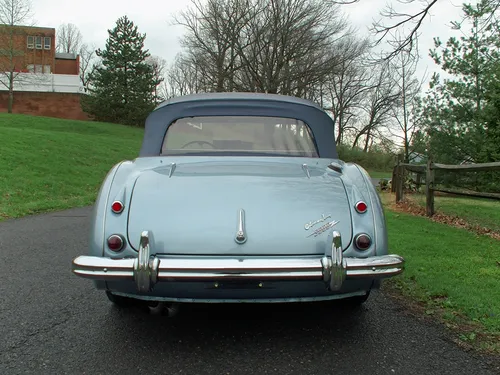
323	228
311	224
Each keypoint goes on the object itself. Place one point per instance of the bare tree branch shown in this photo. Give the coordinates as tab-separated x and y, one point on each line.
402	19
13	14
181	78
344	89
88	60
277	46
379	104
69	38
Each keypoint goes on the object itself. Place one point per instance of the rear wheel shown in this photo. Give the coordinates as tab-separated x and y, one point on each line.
120	301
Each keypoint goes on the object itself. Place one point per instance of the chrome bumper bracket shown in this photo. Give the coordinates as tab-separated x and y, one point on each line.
145	266
334	265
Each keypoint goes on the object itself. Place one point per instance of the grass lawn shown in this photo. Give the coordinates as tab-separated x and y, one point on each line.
51	164
377	174
478	211
454	273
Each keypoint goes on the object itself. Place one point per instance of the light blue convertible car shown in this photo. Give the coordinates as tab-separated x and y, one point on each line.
237	198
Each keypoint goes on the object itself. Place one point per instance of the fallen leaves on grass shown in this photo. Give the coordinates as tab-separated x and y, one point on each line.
412	208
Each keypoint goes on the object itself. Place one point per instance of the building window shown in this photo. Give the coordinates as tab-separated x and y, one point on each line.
46	42
31	68
38	43
31	42
46	69
38	68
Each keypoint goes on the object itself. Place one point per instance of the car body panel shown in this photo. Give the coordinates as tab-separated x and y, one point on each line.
206	196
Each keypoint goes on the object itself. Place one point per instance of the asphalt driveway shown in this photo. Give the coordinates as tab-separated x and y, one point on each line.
52	322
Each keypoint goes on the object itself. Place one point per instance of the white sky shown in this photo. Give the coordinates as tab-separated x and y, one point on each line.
154	17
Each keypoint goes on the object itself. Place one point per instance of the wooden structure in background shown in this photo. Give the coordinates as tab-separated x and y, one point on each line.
399	172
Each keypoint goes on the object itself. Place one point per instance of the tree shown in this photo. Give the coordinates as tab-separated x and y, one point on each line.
289	46
382	97
412	21
122	88
69	38
454	109
343	91
404	68
13	14
279	46
211	40
400	41
182	78
491	119
88	63
159	66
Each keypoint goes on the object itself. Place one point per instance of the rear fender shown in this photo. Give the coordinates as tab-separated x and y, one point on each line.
373	221
121	188
98	215
117	185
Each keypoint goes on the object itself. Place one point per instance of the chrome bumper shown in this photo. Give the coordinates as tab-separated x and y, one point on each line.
148	270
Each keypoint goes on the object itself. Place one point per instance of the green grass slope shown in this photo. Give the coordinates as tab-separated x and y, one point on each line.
50	164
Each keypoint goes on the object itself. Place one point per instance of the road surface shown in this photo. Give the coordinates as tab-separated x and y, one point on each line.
52	322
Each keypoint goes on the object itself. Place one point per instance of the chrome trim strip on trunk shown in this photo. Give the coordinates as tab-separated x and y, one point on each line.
172	169
305	168
240	233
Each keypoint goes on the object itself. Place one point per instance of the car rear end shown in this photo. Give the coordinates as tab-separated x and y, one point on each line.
307	232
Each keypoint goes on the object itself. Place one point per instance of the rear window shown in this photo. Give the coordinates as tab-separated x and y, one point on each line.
239	135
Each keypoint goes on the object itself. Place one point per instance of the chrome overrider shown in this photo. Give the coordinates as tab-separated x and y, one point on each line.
147	270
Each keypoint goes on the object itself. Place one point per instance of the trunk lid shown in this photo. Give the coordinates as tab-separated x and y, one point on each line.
194	209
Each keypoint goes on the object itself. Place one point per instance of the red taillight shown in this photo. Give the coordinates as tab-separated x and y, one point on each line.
117	207
361	207
115	242
363	241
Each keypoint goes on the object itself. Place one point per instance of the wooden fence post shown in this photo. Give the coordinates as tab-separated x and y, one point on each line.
400	185
394	178
429	188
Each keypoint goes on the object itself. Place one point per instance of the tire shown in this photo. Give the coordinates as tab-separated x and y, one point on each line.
120	301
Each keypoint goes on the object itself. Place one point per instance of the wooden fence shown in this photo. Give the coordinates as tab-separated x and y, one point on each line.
427	171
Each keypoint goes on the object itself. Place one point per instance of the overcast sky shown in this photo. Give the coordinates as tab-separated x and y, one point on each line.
154	17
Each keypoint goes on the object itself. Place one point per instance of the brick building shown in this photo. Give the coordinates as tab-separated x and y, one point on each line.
34	51
67	63
44	74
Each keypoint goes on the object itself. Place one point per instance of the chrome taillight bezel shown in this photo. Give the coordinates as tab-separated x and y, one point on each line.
121	207
362	235
359	207
122	242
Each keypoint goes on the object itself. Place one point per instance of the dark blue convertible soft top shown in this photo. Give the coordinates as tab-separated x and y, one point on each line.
239	104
